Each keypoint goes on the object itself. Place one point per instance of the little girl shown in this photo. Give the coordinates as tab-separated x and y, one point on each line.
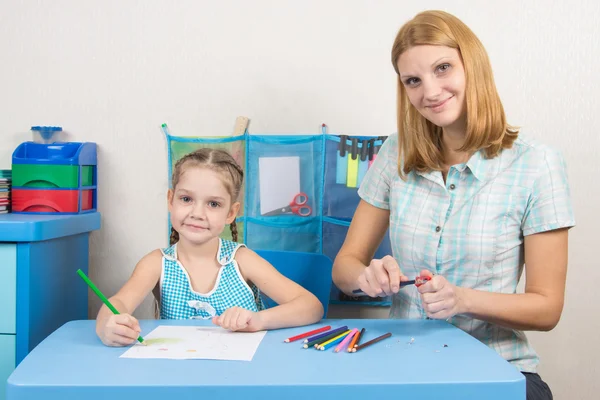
202	275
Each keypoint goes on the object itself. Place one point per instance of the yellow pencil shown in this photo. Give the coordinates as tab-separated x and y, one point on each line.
319	346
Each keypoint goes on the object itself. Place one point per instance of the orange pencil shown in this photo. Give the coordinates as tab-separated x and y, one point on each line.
359	335
353	341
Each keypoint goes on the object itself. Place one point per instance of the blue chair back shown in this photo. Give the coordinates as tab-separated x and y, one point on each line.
310	270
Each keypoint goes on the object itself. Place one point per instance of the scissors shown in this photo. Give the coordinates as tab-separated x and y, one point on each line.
418	281
298	206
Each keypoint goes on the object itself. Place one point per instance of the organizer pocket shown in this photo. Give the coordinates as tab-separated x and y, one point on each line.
344	173
334	234
235	145
279	168
287	233
339	200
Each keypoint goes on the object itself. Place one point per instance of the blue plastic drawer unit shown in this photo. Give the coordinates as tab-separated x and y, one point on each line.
39	287
54	178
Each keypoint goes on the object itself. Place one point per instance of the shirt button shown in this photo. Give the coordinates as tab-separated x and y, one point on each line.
452	187
438	228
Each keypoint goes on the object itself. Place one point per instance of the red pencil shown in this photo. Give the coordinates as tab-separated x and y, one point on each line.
307	334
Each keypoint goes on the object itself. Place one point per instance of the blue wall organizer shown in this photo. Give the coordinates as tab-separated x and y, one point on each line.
324	161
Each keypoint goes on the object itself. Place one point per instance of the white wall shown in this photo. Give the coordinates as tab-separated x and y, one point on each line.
112	71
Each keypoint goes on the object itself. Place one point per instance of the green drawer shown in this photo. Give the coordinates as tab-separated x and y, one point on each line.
50	175
8	288
7	361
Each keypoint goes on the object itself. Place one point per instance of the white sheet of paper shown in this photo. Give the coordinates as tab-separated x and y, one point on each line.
279	182
196	342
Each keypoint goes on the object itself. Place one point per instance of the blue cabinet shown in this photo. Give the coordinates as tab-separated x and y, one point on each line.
39	287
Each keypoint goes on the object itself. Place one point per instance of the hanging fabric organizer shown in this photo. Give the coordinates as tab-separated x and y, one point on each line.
326	170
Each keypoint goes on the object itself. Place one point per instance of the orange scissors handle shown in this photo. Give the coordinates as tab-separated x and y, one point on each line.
302	210
299	199
298	205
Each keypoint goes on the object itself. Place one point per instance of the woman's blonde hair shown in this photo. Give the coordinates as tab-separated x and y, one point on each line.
419	140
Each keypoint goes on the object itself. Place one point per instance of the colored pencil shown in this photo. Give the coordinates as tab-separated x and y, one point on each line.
334	342
346	340
402	284
316	337
354	340
359	336
307	334
323	339
340	336
103	298
372	341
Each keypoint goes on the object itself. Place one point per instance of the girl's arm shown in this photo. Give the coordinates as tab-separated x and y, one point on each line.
365	234
297	306
539	308
143	279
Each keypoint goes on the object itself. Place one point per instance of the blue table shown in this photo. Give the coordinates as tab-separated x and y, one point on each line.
73	364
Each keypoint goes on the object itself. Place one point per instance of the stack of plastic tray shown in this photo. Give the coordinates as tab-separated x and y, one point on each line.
54	178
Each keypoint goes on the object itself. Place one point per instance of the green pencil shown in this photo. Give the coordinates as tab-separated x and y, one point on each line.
103	298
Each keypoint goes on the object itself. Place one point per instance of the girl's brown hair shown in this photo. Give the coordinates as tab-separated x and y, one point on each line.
419	140
219	161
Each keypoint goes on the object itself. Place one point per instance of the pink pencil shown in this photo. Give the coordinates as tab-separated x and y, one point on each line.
346	340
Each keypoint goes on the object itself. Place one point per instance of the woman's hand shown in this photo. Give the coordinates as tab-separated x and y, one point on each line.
239	319
381	278
440	298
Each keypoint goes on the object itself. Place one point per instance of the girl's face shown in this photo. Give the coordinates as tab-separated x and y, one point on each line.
434	79
200	205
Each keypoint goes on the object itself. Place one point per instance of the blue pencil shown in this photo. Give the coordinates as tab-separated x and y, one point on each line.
320	335
330	345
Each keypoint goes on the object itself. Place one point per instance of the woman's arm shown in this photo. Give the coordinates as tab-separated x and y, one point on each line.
297	306
539	308
366	232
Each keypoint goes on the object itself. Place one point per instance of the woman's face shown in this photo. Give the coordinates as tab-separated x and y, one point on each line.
434	79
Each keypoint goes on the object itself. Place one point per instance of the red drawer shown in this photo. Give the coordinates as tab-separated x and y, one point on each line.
56	200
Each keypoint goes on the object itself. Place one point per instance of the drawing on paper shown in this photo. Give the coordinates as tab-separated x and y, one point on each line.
193	342
153	342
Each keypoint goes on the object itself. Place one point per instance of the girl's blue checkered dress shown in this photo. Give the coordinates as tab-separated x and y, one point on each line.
230	290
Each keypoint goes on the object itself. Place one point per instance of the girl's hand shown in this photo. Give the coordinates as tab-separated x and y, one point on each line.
381	278
440	298
119	330
239	319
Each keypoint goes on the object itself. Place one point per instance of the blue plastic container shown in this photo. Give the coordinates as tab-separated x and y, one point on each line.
64	153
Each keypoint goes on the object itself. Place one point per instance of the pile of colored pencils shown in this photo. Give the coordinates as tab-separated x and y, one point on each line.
340	339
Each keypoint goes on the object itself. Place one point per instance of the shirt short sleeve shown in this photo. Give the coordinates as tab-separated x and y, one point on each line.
375	186
549	205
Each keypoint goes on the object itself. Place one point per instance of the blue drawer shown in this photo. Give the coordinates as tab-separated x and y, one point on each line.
8	287
7	361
